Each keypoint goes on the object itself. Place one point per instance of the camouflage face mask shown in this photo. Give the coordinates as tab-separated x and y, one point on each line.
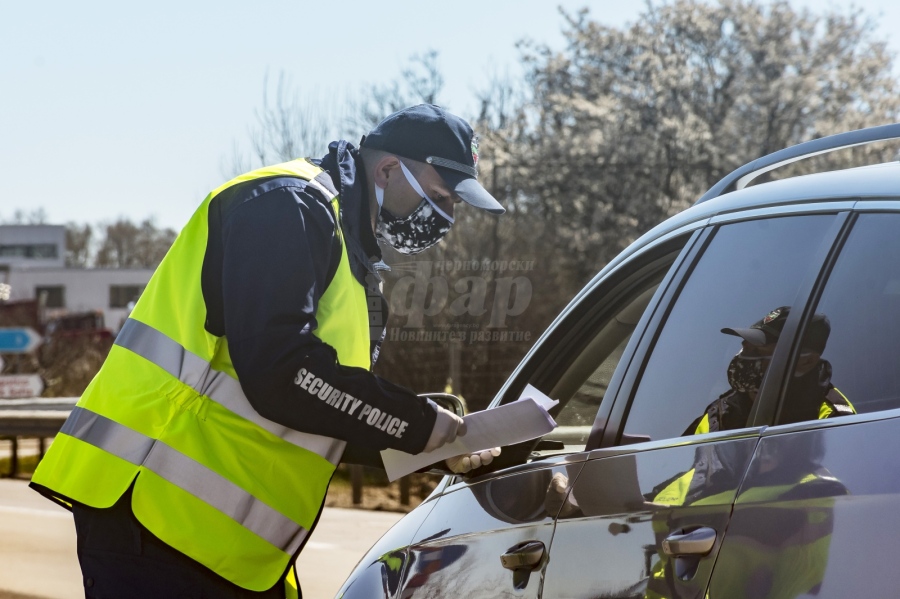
423	228
745	374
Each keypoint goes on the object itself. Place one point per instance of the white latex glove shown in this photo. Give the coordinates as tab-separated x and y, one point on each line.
447	426
469	461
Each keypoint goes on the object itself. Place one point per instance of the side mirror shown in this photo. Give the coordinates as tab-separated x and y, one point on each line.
448	402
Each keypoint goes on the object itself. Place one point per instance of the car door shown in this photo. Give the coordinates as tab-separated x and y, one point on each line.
817	514
489	534
648	511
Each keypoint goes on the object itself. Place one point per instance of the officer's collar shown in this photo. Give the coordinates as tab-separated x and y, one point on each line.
345	166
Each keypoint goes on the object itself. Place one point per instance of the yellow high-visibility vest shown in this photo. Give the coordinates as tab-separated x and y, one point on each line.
212	478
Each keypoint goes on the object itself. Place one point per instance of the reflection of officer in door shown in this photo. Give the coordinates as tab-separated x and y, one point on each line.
810	396
780	533
784	550
709	486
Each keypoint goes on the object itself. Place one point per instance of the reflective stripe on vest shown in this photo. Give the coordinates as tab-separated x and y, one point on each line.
196	372
188	474
836	404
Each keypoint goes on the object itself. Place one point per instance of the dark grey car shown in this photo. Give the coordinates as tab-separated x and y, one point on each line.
625	498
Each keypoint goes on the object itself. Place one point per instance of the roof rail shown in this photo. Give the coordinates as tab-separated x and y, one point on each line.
740	177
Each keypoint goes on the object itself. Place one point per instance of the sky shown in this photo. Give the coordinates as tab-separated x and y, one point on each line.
112	109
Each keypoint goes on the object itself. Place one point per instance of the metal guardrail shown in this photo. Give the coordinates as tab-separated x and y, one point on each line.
39	417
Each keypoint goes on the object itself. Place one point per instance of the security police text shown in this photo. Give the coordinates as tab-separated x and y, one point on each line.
349	404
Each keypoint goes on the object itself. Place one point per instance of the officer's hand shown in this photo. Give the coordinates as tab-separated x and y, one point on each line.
447	426
469	461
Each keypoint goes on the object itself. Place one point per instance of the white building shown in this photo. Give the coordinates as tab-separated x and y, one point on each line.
32	246
32	266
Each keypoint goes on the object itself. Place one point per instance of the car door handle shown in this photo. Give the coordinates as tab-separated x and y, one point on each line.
524	556
696	542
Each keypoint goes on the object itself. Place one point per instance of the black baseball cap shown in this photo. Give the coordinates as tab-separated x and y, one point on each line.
428	133
769	328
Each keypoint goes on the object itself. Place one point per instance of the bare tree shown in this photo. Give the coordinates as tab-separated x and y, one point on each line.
36	216
78	245
128	245
293	122
300	120
420	82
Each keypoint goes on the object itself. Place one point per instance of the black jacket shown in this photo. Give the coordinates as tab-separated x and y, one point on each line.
272	252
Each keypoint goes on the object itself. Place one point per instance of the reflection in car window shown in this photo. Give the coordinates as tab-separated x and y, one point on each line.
862	304
748	270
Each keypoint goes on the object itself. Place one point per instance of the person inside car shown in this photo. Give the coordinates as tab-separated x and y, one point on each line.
810	395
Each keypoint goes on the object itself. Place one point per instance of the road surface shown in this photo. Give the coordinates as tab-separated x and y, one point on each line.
38	560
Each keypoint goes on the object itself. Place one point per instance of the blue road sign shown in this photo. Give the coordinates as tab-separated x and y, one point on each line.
20	340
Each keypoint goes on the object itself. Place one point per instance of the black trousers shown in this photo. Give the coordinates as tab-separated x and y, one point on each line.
120	559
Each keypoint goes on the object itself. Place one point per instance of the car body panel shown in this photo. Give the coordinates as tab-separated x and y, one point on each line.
458	547
624	505
827	536
378	573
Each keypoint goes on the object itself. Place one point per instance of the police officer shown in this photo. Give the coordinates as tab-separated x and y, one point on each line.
197	461
810	395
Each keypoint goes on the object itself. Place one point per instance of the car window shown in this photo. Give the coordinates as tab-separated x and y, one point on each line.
592	352
857	320
748	271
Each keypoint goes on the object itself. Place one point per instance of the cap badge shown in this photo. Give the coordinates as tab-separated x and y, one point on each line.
475	151
771	316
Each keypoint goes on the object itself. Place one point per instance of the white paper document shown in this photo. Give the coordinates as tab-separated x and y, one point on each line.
504	425
532	392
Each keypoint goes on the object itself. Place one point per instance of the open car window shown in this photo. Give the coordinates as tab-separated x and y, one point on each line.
579	366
